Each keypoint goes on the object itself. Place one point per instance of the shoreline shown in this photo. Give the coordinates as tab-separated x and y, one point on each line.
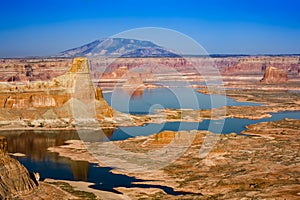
233	156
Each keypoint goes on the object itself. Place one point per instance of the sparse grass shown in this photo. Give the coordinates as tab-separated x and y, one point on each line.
68	188
156	196
191	178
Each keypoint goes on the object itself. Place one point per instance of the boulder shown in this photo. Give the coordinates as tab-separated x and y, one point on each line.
274	75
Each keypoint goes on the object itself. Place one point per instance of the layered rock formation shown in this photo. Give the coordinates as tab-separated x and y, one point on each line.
117	67
53	100
15	180
257	64
16	70
274	75
25	70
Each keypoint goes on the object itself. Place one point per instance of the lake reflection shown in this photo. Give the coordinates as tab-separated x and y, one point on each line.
34	145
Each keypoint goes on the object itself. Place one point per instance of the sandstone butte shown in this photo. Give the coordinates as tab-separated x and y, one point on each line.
54	100
274	75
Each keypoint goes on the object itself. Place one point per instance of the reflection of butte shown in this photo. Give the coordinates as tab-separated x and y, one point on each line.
80	170
137	94
35	144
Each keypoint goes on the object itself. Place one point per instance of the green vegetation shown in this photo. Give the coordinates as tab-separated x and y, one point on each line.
68	188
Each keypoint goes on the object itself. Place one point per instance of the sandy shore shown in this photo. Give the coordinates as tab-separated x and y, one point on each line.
84	186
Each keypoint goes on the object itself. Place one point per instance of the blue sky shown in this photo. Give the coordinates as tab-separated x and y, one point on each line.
41	28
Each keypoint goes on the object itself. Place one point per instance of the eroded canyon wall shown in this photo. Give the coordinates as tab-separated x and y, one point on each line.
24	70
257	64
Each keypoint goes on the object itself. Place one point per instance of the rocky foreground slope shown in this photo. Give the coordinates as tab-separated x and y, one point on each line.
17	183
14	178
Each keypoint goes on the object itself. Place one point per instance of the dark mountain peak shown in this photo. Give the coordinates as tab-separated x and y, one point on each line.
119	47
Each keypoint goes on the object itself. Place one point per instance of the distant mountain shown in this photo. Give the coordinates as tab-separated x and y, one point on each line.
119	47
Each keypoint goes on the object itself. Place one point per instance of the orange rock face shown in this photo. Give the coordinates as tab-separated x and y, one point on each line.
274	75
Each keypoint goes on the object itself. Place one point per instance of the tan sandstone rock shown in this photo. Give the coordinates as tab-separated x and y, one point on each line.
274	75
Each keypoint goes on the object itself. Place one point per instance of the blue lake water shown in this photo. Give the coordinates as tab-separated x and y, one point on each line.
146	101
230	125
50	165
102	177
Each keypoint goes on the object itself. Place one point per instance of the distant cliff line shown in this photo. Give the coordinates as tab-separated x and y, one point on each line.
43	69
214	55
